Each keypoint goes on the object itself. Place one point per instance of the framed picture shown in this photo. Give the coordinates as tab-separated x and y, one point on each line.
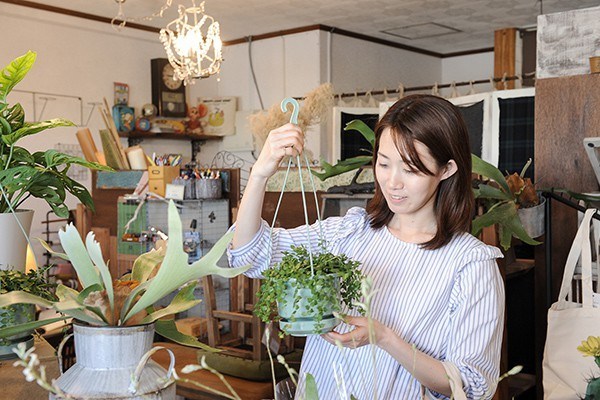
217	115
121	93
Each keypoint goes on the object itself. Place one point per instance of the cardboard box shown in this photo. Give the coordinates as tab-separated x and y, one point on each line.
158	177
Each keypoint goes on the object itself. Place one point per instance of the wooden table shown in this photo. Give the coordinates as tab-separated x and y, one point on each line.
247	390
14	385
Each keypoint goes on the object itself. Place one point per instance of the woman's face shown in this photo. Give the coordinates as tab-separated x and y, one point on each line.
407	191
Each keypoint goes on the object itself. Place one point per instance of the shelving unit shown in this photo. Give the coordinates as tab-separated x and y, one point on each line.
136	137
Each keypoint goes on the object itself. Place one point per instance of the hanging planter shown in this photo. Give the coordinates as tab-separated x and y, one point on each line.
304	290
304	311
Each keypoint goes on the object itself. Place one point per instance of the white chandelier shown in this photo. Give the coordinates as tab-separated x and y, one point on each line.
193	44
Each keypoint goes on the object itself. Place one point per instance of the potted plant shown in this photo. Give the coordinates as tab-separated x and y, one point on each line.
350	164
591	348
33	282
115	320
23	174
306	297
504	197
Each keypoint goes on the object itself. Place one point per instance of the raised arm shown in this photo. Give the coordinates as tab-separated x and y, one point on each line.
287	140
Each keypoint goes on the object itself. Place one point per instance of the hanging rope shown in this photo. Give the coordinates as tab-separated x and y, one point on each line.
294	120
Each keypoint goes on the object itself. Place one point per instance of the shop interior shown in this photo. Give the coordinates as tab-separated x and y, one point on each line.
172	140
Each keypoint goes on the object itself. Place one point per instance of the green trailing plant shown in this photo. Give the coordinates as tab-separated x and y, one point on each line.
42	174
33	282
503	197
295	267
129	300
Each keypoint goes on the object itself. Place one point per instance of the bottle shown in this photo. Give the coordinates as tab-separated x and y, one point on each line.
191	242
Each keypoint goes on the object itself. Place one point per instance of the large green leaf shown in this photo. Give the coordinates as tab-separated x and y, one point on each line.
73	245
364	129
95	252
20	297
168	330
183	301
54	158
341	167
28	326
506	216
489	192
131	298
31	128
145	264
175	271
14	72
486	169
311	388
15	116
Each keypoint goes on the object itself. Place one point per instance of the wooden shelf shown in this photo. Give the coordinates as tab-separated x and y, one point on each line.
167	135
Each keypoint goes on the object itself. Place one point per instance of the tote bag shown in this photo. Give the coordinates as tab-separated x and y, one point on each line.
565	369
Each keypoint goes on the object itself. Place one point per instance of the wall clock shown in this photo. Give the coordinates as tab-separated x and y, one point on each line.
168	94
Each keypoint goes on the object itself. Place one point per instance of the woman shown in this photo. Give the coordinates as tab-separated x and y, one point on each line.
439	302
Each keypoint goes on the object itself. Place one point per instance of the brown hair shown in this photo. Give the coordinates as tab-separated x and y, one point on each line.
437	124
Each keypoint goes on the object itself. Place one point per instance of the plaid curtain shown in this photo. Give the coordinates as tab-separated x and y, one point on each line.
516	134
473	116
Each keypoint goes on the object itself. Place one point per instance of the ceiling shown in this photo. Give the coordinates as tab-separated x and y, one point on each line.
441	26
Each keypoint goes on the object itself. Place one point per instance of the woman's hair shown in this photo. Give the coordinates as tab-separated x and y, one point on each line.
437	124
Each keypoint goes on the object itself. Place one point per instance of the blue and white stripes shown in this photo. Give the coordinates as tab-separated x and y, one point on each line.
448	302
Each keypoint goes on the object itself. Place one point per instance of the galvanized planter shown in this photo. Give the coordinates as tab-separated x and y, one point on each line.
533	218
113	363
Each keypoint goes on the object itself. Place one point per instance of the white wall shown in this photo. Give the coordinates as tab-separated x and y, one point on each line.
83	58
468	68
79	58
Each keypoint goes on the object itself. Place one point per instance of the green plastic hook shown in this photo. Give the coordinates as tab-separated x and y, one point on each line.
295	108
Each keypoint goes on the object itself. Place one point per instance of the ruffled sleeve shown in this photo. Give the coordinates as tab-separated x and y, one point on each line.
477	321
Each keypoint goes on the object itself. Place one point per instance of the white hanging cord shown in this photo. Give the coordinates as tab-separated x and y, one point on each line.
314	189
294	120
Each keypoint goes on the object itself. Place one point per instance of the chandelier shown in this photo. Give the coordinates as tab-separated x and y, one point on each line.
193	44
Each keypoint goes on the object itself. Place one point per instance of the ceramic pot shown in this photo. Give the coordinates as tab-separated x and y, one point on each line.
533	218
110	360
13	243
298	316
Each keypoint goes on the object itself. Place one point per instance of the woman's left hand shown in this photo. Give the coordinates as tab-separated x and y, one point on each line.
359	336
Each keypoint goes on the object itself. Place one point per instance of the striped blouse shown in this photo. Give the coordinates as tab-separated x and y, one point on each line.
447	302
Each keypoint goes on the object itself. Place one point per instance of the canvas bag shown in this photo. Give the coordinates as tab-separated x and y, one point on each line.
565	369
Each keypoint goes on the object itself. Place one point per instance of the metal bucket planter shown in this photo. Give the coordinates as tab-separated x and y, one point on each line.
13	244
299	316
113	363
15	315
533	218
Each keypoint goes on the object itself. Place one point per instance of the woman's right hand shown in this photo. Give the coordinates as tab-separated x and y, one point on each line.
287	140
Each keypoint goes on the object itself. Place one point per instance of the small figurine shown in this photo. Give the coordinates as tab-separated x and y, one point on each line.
194	125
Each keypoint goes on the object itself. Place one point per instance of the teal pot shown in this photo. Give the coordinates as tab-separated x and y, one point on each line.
113	363
15	315
533	218
300	317
13	243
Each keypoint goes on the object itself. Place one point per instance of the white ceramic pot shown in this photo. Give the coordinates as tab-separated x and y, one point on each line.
109	359
533	218
13	243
